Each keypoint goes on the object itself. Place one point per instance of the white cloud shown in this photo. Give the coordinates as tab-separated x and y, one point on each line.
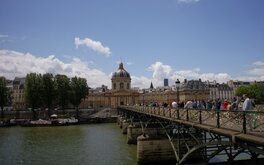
3	36
17	64
258	69
259	63
142	82
161	71
94	45
188	1
129	63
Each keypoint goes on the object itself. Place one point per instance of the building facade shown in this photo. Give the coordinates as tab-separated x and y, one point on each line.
220	91
122	93
18	94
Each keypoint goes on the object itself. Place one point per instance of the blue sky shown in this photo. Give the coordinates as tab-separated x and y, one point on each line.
208	39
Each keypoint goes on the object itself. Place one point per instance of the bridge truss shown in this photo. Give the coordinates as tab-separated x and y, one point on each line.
211	133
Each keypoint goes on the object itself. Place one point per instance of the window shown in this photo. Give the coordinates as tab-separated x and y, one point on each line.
114	86
121	85
127	85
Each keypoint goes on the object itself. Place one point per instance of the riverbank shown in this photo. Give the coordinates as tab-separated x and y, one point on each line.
106	115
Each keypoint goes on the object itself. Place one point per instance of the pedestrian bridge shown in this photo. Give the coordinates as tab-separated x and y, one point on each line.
213	132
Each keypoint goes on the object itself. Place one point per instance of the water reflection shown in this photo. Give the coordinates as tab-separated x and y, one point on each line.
84	144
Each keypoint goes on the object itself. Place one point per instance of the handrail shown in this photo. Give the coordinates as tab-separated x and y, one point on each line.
243	121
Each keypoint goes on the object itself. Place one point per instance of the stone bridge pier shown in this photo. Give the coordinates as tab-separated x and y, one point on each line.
155	143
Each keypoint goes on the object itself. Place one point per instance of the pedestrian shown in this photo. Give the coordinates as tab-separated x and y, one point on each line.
174	104
189	105
218	104
248	106
225	104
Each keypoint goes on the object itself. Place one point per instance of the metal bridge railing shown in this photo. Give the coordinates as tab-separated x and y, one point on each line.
244	121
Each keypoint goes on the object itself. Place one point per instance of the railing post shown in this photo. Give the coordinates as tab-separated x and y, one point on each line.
244	123
187	115
218	118
200	116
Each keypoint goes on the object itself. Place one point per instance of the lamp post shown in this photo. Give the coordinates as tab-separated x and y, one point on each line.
143	104
143	94
177	83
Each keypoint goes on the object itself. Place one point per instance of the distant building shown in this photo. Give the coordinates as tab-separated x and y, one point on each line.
120	94
194	90
18	93
166	82
220	91
151	86
123	94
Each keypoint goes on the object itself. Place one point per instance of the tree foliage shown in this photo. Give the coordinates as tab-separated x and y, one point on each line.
44	91
5	95
49	91
78	91
63	86
254	91
33	91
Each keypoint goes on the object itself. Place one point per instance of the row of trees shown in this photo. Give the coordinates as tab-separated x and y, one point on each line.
254	91
5	95
47	91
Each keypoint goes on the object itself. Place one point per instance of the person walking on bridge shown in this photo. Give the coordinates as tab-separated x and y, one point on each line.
248	106
189	104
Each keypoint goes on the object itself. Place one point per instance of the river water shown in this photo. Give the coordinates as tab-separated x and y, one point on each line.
91	144
96	144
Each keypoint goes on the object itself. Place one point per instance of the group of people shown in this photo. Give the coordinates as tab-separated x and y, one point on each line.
243	103
239	103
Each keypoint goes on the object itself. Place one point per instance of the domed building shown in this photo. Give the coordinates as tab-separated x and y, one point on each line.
121	79
120	94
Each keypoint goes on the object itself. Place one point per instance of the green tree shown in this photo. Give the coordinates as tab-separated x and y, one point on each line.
63	86
254	91
79	90
260	94
33	91
243	90
49	91
5	95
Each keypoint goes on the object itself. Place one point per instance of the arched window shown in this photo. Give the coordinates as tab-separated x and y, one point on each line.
128	85
114	85
121	85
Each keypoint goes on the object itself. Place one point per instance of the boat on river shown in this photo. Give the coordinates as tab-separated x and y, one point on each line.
51	122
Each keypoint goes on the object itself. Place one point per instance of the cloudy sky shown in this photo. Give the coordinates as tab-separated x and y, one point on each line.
155	39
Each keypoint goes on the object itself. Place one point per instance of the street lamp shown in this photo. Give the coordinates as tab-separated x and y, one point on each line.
143	92
177	83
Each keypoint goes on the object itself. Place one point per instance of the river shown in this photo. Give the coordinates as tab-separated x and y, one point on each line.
93	144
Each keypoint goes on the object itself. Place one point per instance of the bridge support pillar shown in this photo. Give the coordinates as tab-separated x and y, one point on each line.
135	130
154	150
132	133
119	120
124	125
